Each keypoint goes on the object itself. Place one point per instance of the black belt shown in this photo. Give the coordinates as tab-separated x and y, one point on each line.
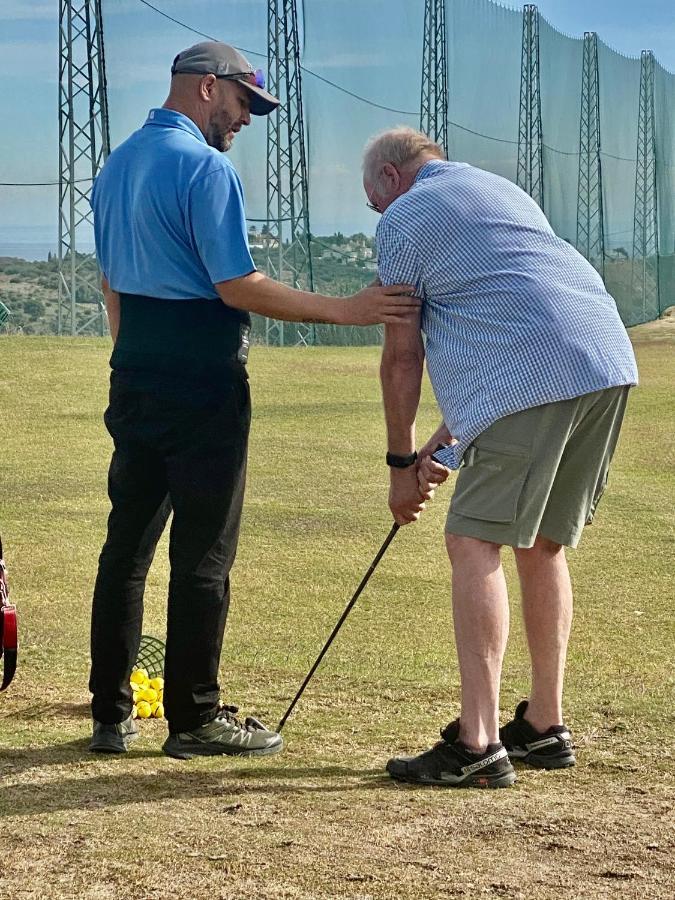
199	337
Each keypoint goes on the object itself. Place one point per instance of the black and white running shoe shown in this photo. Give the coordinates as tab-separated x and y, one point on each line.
224	735
550	749
450	764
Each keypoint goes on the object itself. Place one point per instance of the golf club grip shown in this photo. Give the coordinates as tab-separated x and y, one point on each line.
357	593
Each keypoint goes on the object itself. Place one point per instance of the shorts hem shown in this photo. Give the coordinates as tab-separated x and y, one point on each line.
570	539
476	528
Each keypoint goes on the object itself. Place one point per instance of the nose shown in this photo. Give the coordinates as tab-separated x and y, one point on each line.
246	118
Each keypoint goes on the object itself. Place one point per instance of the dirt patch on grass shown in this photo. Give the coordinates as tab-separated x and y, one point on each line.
662	329
145	826
322	820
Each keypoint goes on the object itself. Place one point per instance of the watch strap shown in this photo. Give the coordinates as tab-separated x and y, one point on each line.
401	462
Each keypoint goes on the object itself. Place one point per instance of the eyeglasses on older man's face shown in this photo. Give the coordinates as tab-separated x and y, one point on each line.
369	202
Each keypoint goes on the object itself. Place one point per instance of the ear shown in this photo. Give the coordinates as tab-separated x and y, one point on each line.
392	175
207	86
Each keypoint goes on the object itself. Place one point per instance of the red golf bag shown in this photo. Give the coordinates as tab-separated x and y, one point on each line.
8	633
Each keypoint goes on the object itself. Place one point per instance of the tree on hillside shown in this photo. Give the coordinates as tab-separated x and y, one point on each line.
33	308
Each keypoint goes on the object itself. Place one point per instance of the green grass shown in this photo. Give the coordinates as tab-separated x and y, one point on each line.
321	820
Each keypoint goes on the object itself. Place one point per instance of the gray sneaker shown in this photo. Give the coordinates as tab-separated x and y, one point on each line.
224	735
113	738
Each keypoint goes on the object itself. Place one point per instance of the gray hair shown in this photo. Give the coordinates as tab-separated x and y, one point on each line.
399	146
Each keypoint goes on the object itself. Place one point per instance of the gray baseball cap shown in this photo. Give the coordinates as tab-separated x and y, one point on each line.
223	61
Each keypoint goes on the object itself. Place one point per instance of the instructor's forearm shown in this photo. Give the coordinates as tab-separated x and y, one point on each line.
259	294
401	380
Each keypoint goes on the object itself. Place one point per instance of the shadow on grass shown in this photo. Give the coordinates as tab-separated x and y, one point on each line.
41	710
190	783
14	761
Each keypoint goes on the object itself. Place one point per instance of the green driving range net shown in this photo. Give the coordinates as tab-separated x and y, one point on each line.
590	133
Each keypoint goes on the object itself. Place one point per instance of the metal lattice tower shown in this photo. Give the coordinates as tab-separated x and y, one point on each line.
84	139
590	217
289	253
434	96
530	173
645	271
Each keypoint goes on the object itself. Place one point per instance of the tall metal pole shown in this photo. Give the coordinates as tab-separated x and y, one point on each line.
530	172
84	140
645	268
434	94
289	251
590	216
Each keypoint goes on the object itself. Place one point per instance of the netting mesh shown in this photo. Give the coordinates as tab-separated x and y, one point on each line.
484	50
561	60
664	91
362	71
619	85
150	657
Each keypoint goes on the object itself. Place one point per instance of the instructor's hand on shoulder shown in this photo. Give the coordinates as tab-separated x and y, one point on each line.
390	305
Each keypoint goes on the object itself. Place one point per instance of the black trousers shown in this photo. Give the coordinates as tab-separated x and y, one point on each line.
180	443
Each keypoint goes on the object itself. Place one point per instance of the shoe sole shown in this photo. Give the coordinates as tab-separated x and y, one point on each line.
121	745
543	762
482	781
210	750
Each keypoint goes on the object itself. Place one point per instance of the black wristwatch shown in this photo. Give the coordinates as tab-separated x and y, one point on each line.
401	462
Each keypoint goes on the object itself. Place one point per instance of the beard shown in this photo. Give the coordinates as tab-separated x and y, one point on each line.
219	134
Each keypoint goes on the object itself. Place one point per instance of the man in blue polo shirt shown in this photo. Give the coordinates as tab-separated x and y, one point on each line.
531	368
179	283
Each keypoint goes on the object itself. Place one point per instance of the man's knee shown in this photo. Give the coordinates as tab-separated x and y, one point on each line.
543	548
461	547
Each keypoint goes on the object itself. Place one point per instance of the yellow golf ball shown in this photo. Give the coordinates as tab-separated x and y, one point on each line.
144	710
148	694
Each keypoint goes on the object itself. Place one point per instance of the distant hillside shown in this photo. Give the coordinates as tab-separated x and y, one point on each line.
341	265
30	291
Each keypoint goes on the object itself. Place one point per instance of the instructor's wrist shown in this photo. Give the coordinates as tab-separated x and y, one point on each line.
339	308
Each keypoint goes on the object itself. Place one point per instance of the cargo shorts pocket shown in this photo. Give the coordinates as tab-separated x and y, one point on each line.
491	482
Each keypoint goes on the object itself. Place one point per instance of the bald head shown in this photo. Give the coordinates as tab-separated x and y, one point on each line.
219	107
391	160
403	147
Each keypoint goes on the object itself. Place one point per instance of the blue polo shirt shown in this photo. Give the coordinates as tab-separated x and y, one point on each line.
169	213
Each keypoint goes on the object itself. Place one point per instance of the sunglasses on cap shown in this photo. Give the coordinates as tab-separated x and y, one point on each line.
256	78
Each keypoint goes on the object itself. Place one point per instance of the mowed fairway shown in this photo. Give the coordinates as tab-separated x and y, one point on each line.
321	820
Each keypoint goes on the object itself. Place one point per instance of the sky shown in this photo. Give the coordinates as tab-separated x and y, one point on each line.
368	46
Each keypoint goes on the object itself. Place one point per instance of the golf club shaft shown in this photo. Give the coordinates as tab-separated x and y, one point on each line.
357	593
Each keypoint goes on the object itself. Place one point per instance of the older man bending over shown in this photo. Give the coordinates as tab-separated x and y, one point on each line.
531	367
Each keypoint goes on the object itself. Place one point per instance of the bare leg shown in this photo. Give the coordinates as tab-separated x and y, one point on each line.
481	617
547	612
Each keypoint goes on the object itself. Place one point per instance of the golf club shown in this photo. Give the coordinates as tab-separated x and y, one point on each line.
364	582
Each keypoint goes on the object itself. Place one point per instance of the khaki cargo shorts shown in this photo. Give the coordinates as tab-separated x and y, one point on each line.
541	471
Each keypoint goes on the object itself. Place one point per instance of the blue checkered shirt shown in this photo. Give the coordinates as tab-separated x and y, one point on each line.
513	316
